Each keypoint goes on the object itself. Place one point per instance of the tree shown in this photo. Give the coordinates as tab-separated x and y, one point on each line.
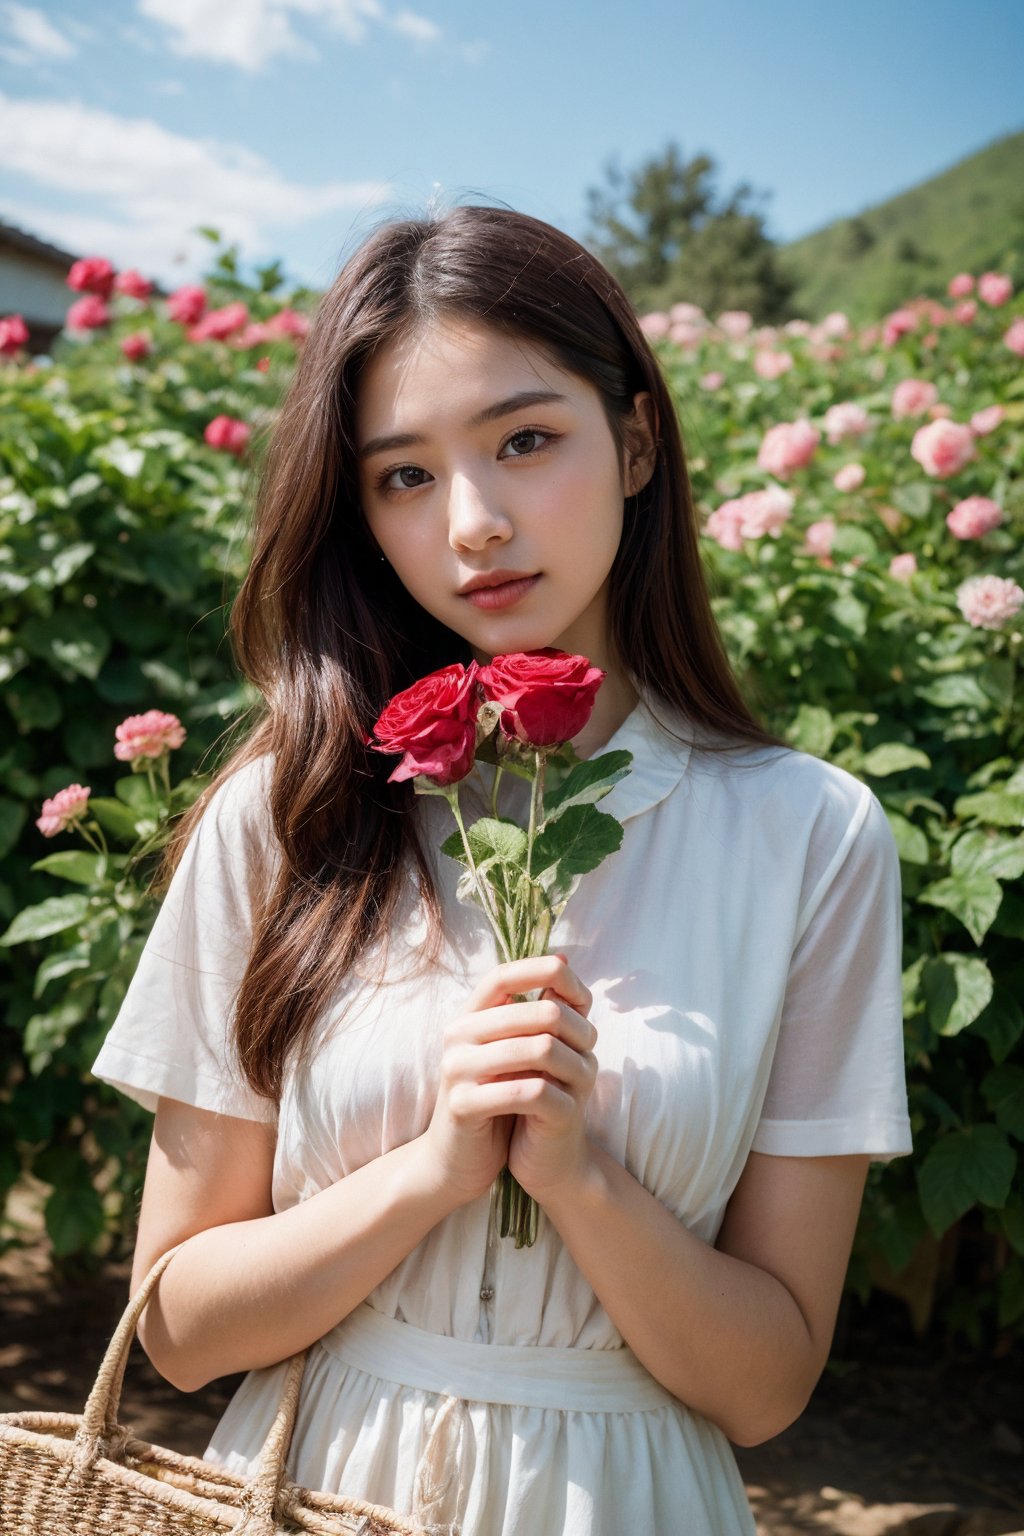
664	232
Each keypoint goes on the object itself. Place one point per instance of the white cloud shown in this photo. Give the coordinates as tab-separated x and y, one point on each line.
36	34
475	52
419	28
148	188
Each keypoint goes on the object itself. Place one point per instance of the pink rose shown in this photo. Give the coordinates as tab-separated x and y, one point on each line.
1014	338
788	446
255	334
263	365
735	323
903	566
849	477
995	288
689	314
845	420
187	304
219	324
750	516
912	397
798	327
87	314
960	286
288	322
685	334
63	809
136	346
13	334
985	421
771	365
433	724
964	313
819	536
655	324
547	696
148	735
93	274
133	284
940	412
898	324
973	517
835	324
943	448
227	433
712	381
988	602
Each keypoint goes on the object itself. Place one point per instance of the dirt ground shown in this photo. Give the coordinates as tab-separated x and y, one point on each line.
898	1440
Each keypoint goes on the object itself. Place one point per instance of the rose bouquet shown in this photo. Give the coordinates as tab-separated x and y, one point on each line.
519	714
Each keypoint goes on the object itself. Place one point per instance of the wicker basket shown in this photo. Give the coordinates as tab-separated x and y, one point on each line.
83	1474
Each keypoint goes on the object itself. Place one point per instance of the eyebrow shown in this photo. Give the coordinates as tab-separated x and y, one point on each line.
490	413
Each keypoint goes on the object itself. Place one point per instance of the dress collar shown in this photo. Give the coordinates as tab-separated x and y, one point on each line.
659	758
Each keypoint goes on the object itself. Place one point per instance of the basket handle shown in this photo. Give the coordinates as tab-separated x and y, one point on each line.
99	1432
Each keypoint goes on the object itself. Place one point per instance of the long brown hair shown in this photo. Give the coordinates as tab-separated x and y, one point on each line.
327	633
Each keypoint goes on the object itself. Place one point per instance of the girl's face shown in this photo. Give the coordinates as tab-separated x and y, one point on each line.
483	480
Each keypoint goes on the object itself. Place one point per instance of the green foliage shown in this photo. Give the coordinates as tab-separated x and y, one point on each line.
664	233
968	219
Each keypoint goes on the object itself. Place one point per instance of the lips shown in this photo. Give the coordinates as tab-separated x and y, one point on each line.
501	596
498	578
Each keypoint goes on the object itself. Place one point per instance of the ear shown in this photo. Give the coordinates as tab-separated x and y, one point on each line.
641	442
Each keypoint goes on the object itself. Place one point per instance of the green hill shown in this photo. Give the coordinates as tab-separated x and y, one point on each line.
970	218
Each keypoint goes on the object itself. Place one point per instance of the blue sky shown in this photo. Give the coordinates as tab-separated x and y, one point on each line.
295	125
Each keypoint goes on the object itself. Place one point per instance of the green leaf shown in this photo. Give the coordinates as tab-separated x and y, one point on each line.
136	792
996	806
1001	1024
52	967
978	852
956	989
577	841
971	1166
74	864
1003	1091
587	782
74	1216
498	839
811	730
893	757
911	842
850	613
69	638
115	817
850	540
974	899
68	560
915	500
51	916
955	691
996	678
13	817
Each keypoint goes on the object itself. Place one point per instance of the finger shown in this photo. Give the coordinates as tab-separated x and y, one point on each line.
538	1055
532	1096
513	976
546	1015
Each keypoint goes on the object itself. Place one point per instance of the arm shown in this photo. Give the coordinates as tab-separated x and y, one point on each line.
739	1332
251	1287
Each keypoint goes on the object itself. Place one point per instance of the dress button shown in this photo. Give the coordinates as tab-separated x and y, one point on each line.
487	1293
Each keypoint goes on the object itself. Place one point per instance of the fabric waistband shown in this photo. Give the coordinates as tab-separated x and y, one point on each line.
528	1376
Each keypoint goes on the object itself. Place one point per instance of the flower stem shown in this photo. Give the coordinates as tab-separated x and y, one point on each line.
483	889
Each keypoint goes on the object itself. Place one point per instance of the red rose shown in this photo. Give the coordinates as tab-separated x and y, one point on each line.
228	433
434	724
93	274
546	696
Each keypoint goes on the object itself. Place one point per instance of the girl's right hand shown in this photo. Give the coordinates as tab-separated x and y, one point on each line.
487	1048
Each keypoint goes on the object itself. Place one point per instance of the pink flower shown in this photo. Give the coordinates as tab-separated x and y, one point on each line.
750	516
849	477
845	420
985	421
263	364
903	566
13	334
133	284
690	314
255	334
995	288
798	327
898	324
940	412
136	346
788	446
942	448
228	433
973	517
988	602
1014	338
912	397
835	324
960	286
712	381
964	313
219	324
93	274
770	365
735	323
186	304
148	735
288	322
819	536
685	334
655	324
63	809
87	314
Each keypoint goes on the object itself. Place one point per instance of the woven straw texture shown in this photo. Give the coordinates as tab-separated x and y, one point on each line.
84	1474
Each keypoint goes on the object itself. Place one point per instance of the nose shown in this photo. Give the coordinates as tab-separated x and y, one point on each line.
474	517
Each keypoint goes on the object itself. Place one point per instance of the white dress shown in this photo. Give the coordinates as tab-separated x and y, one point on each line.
743	947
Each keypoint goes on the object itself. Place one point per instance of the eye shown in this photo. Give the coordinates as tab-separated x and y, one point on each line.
382	485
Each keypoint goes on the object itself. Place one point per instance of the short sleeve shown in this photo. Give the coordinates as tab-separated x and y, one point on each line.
173	1033
837	1083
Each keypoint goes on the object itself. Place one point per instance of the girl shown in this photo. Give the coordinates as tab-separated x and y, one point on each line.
336	1066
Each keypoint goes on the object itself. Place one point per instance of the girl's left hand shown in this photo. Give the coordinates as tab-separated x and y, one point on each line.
548	1149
